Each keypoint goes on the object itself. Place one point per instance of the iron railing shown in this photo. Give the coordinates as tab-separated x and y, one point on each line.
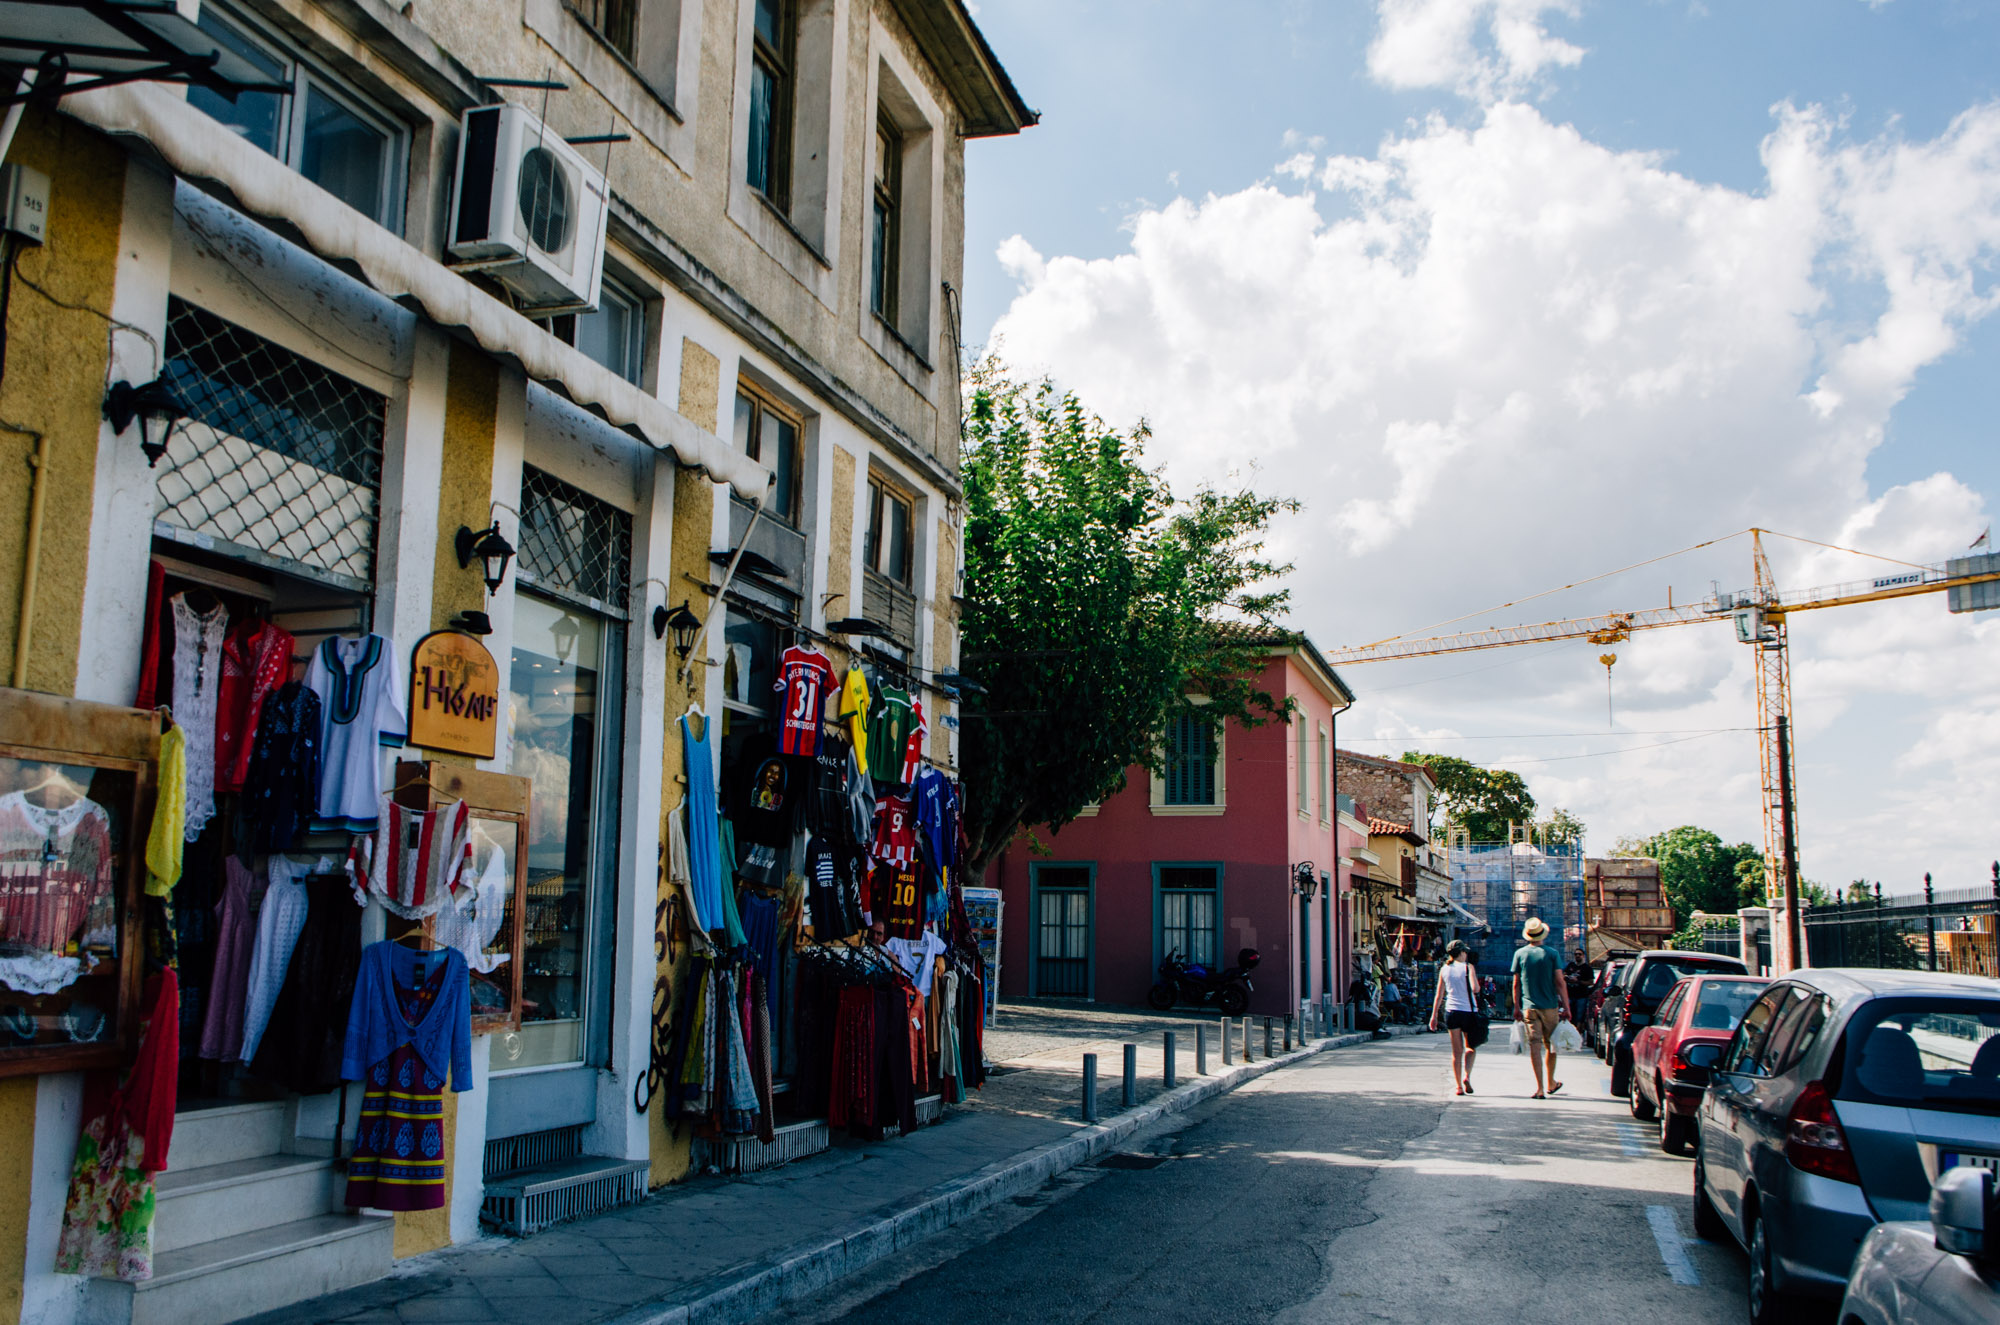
1950	929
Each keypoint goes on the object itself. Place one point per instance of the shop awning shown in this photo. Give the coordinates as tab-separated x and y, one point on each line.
1465	917
197	146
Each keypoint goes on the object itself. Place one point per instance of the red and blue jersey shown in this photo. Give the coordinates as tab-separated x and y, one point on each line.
804	675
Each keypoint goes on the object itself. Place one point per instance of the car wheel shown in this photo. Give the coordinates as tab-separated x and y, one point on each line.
1767	1305
1676	1132
1708	1224
1621	1076
1640	1108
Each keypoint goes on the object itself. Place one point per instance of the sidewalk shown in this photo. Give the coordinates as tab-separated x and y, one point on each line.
730	1248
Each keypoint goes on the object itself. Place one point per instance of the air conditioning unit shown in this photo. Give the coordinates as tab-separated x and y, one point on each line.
528	210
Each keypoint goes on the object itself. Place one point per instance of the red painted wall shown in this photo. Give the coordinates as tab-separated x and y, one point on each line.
1256	839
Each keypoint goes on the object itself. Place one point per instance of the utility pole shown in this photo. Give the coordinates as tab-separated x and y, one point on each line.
1794	926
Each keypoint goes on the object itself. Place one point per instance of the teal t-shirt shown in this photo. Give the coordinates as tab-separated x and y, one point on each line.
1539	970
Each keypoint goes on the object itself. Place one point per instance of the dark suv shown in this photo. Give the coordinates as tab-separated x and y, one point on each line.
1651	976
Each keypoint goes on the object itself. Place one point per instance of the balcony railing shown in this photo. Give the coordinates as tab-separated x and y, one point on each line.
890	604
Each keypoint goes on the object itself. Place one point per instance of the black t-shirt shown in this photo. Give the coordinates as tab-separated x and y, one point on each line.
826	803
762	790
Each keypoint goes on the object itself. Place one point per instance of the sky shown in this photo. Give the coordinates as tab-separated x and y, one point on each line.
1510	294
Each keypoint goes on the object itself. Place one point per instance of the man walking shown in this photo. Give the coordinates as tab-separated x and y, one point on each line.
1541	1000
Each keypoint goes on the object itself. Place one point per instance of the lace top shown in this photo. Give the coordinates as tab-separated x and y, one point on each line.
55	868
197	682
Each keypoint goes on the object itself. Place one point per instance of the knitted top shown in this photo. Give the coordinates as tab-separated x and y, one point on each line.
376	1026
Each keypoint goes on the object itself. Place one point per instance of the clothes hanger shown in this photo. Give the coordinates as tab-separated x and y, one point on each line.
61	781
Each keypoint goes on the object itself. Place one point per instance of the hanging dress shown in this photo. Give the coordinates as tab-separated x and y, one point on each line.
302	1042
281	791
410	1026
197	683
279	921
256	657
235	938
704	847
107	1228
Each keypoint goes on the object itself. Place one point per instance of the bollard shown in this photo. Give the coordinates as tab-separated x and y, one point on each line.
1249	1051
1228	1042
1170	1060
1090	1088
1201	1051
1288	1034
1131	1095
1267	1037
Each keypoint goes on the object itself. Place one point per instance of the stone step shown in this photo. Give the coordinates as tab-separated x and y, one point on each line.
221	1133
231	1278
197	1205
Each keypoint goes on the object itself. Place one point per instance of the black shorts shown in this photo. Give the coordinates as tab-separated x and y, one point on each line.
1471	1023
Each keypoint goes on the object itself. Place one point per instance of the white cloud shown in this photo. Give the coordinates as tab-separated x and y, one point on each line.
1498	357
1483	49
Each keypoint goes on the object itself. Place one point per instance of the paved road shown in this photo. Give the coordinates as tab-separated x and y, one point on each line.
1350	1188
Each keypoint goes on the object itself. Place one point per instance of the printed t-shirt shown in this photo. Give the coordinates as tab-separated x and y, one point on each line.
888	732
896	902
937	817
826	801
854	708
913	748
917	957
1539	969
895	832
762	791
804	675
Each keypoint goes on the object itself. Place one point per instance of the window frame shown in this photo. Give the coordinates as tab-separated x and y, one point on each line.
1305	787
587	13
1179	727
761	404
1037	887
883	492
1743	1058
1160	890
885	269
780	62
306	78
563	327
1325	776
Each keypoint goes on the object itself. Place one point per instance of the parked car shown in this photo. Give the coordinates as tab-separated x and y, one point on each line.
1944	1272
1671	1057
1840	1097
1601	995
1650	977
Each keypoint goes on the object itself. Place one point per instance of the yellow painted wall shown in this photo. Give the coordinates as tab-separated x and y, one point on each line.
56	350
840	539
17	1124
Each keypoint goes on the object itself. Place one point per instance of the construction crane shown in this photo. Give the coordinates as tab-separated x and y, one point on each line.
1760	615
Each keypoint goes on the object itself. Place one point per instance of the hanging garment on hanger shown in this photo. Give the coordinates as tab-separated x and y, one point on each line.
56	865
410	1027
805	676
167	839
895	832
472	926
896	900
360	685
763	792
917	957
913	744
281	792
256	659
302	1042
889	722
197	683
279	921
228	983
704	845
854	701
416	862
149	646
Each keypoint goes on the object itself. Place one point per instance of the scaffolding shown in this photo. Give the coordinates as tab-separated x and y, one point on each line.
1506	883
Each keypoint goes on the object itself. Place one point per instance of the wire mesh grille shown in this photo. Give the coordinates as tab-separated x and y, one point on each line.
573	542
276	454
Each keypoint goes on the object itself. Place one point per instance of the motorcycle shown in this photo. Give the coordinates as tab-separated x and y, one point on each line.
1189	982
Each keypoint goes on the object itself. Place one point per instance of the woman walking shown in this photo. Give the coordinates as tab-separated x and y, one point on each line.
1457	1005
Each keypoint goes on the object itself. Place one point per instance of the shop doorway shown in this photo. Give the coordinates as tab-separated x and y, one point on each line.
1062	931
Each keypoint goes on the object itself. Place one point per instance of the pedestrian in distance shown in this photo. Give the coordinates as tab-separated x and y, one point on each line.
1457	1005
1541	1001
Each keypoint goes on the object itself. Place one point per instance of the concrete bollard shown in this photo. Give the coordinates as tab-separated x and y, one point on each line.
1201	1051
1288	1034
1249	1050
1169	1075
1131	1095
1228	1042
1267	1037
1090	1088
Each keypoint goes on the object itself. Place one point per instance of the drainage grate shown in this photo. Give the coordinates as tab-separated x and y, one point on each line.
511	1154
531	1202
746	1154
1122	1160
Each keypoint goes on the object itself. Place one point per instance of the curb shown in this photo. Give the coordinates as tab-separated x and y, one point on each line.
749	1292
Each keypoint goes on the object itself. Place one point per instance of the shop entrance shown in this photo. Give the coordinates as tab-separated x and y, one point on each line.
1062	931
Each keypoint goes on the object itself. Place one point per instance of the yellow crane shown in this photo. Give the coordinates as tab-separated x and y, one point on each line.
1760	615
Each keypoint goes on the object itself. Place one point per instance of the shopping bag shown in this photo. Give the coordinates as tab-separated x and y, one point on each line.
1568	1041
1520	1038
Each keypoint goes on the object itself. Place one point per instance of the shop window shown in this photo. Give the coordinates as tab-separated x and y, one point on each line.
279	460
334	138
614	335
886	236
749	663
774	48
1190	910
574	545
1190	774
771	436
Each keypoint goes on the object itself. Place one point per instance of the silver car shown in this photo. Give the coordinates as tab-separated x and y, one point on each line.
1842	1095
1944	1272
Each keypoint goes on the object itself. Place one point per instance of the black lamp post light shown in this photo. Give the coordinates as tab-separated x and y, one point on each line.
153	402
685	625
493	551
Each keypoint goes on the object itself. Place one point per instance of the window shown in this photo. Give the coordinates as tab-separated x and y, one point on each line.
614	20
1925	1051
891	521
769	436
1746	1051
615	335
1722	1005
884	273
1190	761
1797	1031
1062	930
573	544
1326	782
774	46
1305	787
330	136
1189	906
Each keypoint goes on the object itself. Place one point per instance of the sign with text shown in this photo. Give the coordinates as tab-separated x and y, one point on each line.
454	695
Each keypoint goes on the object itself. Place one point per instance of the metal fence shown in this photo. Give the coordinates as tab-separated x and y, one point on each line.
1938	929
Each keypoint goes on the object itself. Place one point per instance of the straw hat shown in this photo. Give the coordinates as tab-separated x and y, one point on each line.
1534	929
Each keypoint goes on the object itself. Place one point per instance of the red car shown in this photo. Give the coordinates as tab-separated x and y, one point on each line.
1671	1056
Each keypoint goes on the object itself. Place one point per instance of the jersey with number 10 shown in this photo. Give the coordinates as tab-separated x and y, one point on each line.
804	675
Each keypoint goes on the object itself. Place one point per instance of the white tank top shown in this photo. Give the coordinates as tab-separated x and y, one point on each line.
1458	987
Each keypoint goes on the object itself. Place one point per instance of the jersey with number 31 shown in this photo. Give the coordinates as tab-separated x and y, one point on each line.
804	675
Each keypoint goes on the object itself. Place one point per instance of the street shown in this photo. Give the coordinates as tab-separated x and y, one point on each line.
1353	1186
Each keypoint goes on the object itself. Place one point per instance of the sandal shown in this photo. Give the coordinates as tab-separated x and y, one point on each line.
1538	1096
1553	1089
1459	1091
1468	1087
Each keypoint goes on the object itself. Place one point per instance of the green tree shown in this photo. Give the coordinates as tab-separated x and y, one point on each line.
1483	801
1699	872
1096	603
1564	828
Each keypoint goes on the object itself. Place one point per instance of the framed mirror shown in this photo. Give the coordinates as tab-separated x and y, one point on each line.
490	929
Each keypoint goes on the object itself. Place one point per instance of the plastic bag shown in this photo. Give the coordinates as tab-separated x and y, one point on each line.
1519	1041
1568	1040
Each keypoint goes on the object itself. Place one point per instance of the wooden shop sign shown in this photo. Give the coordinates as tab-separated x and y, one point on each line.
454	695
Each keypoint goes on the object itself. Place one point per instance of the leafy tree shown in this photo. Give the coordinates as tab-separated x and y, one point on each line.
1483	801
1564	828
1698	872
1096	602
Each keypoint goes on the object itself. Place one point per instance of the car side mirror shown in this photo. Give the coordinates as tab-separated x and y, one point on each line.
1960	1199
1702	1055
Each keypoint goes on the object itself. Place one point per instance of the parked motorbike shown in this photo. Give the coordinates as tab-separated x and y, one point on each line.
1182	981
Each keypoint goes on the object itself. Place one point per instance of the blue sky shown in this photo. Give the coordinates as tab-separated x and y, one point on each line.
1512	292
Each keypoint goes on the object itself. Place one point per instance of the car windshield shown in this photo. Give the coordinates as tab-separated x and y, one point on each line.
1660	976
1926	1052
1723	1004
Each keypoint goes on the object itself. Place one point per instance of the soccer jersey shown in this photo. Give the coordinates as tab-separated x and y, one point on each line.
826	800
913	748
895	832
937	817
854	708
889	733
804	675
896	901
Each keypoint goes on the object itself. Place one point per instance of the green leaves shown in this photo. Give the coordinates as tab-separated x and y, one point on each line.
1483	801
1097	602
1698	872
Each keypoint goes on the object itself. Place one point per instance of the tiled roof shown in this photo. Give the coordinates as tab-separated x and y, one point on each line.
1390	828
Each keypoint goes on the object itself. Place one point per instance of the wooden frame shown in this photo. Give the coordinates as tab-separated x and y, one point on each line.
885	271
51	729
496	797
779	62
882	492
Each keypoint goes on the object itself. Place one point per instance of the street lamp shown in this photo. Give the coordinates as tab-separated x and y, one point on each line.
493	551
685	625
153	401
565	632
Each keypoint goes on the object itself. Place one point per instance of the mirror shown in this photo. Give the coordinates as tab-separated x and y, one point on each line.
1702	1055
1959	1200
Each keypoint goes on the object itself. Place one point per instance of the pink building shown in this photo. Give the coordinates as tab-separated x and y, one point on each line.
1201	859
